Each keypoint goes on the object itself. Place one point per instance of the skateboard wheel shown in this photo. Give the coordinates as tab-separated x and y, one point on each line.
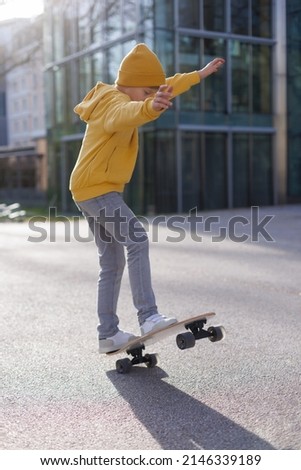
217	333
151	360
185	340
123	366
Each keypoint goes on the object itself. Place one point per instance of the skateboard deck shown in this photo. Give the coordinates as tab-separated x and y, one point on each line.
187	331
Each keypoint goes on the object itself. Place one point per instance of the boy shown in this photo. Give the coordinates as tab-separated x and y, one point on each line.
106	161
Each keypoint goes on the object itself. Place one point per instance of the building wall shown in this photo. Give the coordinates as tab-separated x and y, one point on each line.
218	147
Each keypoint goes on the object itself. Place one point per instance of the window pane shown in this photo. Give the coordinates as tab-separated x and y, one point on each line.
113	59
189	14
240	16
240	77
191	170
71	96
158	162
189	59
240	170
252	170
59	78
98	69
164	47
84	25
294	97
164	16
114	25
261	18
215	171
149	172
57	36
261	182
262	79
71	150
70	41
214	15
129	15
147	14
85	75
166	187
215	87
98	22
3	174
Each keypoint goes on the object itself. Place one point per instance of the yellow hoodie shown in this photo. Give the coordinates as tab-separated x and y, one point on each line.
110	145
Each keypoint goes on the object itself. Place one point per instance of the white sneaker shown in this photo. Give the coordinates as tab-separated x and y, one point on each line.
156	322
115	342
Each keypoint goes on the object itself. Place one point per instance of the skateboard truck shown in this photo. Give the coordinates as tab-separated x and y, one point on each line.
197	331
123	366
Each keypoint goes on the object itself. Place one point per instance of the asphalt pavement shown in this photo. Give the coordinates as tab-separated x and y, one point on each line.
241	393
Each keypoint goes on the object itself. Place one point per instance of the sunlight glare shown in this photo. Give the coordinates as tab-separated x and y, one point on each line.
20	9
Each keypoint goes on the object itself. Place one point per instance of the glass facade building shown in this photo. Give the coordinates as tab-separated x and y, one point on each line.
225	142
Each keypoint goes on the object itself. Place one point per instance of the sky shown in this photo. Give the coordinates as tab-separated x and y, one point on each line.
20	8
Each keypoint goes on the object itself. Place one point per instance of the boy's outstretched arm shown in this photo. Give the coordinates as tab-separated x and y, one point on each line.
182	82
211	67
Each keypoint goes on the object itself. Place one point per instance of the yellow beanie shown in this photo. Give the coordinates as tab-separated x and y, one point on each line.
140	68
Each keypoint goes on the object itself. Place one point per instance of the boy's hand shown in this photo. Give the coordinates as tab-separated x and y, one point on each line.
161	100
212	67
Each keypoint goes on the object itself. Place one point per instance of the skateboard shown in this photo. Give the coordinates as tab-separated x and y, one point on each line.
195	330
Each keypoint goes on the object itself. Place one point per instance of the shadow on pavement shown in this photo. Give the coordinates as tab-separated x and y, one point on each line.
177	420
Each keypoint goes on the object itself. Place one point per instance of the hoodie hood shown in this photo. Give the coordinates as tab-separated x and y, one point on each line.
91	101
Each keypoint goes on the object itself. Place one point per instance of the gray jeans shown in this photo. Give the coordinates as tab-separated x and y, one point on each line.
115	227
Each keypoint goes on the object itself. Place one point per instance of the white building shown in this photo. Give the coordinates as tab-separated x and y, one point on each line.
25	84
23	162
